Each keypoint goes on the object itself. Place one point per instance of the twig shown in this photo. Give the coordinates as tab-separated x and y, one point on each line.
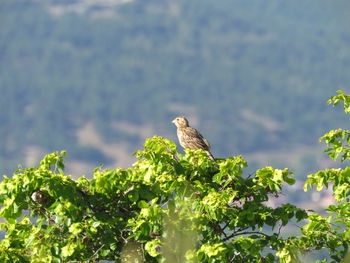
244	233
225	226
279	229
96	252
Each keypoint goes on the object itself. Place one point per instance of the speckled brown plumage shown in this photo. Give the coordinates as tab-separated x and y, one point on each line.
189	137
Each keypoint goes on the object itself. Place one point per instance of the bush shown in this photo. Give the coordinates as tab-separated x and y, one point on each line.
170	207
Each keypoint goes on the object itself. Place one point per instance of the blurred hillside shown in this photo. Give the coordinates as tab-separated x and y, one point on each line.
98	77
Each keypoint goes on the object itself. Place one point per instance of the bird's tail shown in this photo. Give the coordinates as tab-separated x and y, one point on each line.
210	155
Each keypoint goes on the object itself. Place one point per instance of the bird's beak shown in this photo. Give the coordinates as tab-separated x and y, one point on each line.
173	121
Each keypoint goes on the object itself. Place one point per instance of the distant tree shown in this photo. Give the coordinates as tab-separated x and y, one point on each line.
170	207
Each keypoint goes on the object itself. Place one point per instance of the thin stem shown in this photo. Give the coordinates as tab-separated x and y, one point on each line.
244	233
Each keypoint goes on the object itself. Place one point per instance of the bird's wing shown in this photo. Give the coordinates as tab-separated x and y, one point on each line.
207	143
197	139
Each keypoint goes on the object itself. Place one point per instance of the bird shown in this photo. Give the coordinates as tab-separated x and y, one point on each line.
189	137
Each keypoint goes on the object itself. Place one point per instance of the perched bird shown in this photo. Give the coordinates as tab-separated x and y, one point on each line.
190	138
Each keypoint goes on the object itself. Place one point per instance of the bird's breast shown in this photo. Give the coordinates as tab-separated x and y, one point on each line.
180	136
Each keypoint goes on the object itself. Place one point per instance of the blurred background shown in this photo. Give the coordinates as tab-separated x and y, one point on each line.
98	77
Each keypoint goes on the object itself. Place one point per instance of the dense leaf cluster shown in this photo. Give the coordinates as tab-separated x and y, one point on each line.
334	231
167	208
171	207
179	206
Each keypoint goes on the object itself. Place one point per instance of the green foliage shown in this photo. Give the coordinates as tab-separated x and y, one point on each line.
174	206
335	100
333	231
168	207
338	144
338	141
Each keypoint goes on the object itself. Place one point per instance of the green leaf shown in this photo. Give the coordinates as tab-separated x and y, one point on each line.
142	204
133	196
105	252
75	228
151	247
96	224
55	250
68	250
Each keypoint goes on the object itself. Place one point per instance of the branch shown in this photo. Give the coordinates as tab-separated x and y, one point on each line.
244	233
253	232
91	258
227	224
234	233
279	229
